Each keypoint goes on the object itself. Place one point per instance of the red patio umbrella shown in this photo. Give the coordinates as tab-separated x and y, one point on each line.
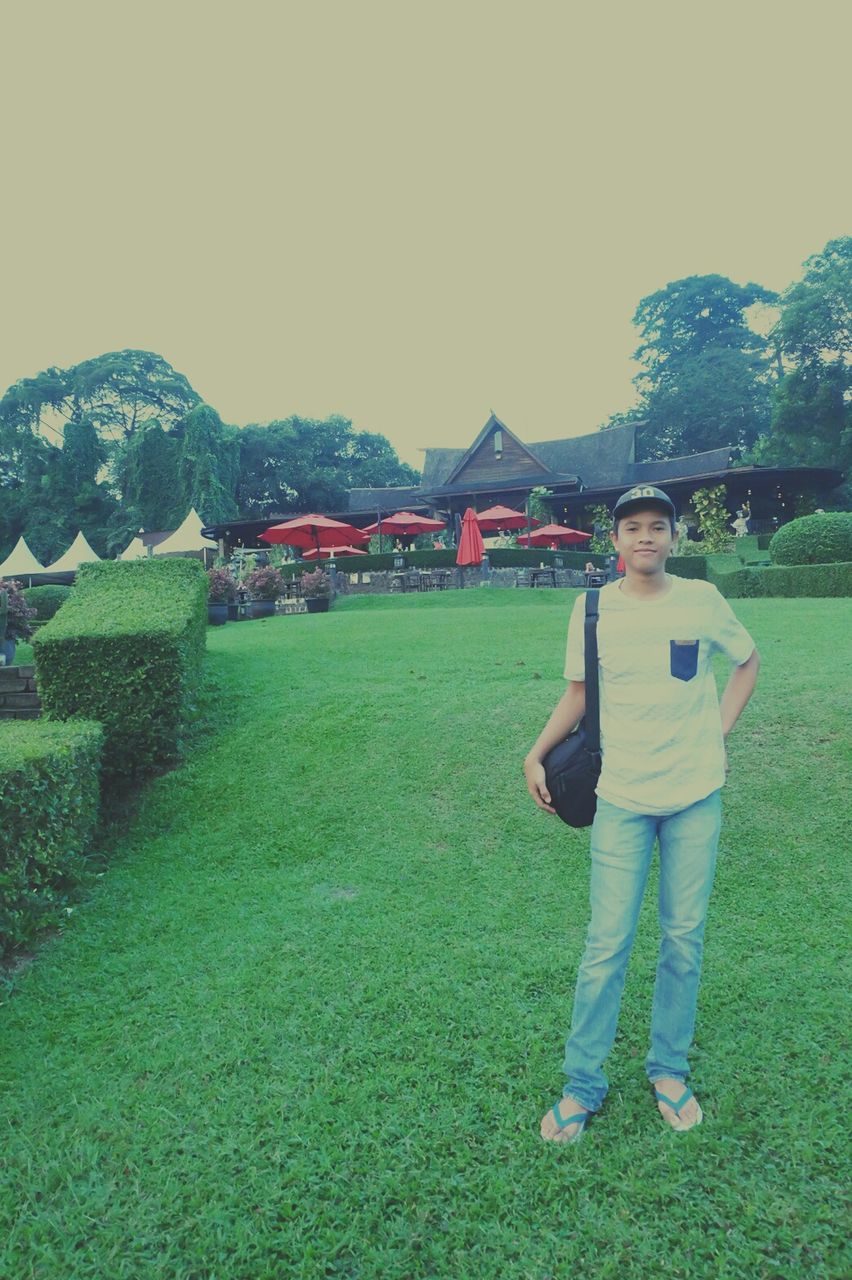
548	533
471	547
313	531
405	524
496	518
327	552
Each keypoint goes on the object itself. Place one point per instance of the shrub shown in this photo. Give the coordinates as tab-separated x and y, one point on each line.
825	538
316	584
126	650
713	517
48	813
19	614
787	581
221	586
46	601
265	583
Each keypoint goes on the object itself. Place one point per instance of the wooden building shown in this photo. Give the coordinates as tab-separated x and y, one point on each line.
580	472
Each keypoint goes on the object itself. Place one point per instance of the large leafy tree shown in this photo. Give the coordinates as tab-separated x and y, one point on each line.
705	381
308	464
812	414
118	393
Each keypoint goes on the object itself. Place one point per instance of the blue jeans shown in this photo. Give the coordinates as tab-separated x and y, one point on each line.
621	847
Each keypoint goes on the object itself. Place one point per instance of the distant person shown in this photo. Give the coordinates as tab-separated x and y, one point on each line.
590	568
663	735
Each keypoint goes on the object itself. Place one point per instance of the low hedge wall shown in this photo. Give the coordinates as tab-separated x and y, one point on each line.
49	792
786	580
498	557
47	600
126	650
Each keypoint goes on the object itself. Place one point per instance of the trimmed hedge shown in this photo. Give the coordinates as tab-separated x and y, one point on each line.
818	539
126	649
687	566
498	557
47	600
786	580
49	793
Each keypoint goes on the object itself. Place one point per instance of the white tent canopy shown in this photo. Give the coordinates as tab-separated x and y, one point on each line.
78	553
20	561
135	550
186	538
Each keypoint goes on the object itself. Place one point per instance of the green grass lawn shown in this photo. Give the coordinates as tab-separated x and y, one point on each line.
309	1020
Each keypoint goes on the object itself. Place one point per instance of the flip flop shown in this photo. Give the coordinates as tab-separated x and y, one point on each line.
580	1120
679	1105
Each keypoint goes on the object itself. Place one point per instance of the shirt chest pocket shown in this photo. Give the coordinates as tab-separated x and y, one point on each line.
683	658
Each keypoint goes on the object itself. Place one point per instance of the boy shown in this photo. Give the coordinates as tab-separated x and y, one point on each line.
664	763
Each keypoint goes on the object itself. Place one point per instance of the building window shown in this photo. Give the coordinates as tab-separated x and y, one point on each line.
498	444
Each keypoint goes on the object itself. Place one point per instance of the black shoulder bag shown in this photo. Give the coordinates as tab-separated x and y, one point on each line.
573	766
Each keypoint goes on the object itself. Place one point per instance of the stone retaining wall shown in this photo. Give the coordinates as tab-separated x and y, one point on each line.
18	695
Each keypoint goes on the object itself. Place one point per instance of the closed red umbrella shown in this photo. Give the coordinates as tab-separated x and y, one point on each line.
496	518
549	533
471	547
405	524
314	531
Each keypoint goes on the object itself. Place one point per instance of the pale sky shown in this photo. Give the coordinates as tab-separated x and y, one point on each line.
408	214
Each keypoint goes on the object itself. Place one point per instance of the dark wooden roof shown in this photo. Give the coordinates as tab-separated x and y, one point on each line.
691	464
398	497
599	458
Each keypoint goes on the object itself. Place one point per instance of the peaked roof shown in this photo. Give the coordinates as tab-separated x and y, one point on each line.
78	553
599	458
20	560
493	424
187	537
135	550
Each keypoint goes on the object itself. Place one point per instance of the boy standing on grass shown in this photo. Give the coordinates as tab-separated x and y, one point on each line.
664	762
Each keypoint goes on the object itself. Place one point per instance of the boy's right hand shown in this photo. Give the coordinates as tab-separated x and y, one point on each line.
537	784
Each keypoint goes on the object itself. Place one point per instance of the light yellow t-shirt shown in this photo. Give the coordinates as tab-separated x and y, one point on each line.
661	733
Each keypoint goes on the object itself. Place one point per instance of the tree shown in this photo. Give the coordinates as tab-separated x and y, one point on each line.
812	411
705	381
118	392
308	465
207	466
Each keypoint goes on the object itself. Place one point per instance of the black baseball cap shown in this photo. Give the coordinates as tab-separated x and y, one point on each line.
643	495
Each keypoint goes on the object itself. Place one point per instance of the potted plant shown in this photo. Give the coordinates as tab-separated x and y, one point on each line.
265	585
17	621
316	590
220	589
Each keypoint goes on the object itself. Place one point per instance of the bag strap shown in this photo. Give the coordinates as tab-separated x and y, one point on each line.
592	717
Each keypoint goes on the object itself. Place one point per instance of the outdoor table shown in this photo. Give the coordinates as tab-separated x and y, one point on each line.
440	579
539	576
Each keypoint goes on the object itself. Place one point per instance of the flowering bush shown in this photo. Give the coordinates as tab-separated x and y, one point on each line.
265	583
220	586
316	584
18	612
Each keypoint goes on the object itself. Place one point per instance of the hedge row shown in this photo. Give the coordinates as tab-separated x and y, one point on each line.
47	600
786	580
126	650
498	557
49	792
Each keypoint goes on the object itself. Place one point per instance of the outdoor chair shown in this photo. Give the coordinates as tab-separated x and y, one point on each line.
412	580
522	578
